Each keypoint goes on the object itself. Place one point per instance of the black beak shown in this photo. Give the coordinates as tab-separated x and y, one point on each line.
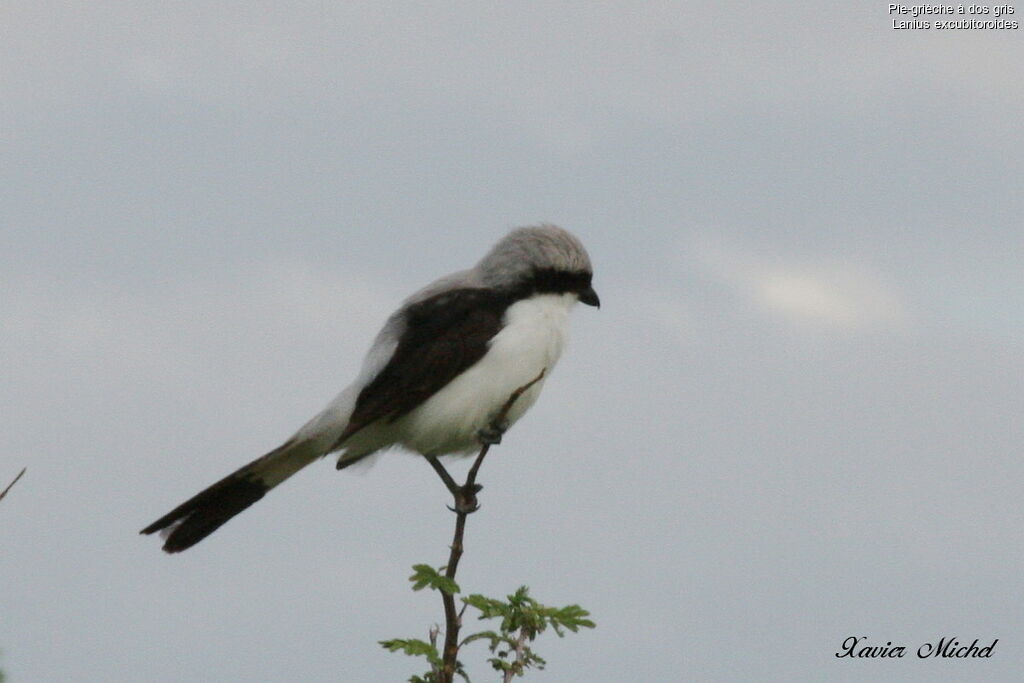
589	297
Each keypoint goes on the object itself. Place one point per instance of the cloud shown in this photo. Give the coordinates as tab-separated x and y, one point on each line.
817	291
838	297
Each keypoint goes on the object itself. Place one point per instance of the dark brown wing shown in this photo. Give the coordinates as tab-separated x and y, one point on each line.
444	335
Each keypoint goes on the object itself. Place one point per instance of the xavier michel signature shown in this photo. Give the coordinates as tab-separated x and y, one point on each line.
858	648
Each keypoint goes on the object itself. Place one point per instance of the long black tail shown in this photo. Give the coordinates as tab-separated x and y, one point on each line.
204	513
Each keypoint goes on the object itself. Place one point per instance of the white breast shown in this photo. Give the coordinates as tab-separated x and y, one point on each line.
531	340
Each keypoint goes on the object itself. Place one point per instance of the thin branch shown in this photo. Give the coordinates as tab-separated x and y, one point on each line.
4	492
520	657
452	622
434	630
465	504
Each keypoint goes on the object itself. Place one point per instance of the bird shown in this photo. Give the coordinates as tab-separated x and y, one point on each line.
436	377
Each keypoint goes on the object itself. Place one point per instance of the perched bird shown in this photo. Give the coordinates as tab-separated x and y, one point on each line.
437	375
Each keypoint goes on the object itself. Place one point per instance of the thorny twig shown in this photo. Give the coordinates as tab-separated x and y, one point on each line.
465	504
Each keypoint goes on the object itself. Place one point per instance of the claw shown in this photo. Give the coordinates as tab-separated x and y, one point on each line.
464	509
465	501
491	435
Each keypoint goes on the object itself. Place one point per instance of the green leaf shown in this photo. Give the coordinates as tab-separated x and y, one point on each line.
500	664
414	648
426	576
489	607
494	640
572	617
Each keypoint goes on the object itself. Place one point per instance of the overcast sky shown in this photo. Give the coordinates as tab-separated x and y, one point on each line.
796	417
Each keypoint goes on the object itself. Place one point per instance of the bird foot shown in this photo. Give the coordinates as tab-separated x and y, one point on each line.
465	500
492	433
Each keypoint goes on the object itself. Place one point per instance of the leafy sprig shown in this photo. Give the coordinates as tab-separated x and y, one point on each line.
521	620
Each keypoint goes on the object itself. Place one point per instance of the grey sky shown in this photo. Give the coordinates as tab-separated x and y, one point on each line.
797	416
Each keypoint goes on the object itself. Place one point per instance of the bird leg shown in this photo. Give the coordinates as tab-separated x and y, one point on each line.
452	487
492	433
465	499
464	495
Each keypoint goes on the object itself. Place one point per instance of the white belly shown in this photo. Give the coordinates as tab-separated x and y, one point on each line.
531	340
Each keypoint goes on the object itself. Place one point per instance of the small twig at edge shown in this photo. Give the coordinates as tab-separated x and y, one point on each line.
4	492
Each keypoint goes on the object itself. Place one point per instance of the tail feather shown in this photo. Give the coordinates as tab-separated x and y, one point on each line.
204	513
